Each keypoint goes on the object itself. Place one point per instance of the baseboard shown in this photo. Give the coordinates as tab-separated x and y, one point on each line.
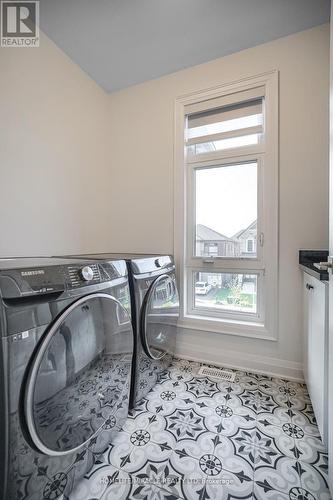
189	349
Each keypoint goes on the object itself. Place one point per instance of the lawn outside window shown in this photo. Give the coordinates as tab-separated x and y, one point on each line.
226	187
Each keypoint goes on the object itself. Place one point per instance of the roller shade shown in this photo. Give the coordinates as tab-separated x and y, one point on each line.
233	125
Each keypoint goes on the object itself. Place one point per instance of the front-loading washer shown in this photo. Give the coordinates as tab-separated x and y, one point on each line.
66	352
156	304
155	314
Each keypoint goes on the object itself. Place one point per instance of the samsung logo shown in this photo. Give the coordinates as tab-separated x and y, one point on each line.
33	273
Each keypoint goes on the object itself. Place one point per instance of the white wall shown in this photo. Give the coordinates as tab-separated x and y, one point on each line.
54	154
142	158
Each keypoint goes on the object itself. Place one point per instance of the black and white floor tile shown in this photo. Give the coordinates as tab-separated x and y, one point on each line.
197	438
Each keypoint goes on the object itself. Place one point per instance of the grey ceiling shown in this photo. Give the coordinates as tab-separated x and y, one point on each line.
124	42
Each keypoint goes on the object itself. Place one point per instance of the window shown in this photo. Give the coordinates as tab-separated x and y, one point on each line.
250	246
227	174
224	292
213	250
226	203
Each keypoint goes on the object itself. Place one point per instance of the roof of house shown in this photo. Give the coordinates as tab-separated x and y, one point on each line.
251	226
205	233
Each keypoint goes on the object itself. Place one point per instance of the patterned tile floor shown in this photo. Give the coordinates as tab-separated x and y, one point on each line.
197	438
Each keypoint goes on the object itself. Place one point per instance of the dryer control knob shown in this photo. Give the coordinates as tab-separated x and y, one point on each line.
87	273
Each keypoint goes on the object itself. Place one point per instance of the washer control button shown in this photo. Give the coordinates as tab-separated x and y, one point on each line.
87	273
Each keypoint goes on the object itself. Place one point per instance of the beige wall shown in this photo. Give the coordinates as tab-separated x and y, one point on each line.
54	155
141	145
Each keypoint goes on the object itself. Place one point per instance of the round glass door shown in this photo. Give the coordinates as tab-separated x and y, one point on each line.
159	316
77	378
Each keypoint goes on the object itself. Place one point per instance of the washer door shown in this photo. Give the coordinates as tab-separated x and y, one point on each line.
159	315
77	377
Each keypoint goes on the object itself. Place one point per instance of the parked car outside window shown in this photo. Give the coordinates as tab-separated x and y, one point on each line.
202	288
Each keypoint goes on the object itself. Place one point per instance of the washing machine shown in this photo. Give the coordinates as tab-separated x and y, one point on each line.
155	300
66	360
155	314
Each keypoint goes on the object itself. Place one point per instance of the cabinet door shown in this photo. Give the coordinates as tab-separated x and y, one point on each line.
317	351
306	327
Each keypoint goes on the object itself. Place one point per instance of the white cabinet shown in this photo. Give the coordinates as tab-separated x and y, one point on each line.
315	348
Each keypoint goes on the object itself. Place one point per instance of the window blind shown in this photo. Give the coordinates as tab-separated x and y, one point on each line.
230	126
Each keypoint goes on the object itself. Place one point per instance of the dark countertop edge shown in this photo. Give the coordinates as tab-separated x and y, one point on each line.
316	273
306	260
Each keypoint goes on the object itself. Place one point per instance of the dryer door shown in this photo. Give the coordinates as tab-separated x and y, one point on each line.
79	375
159	316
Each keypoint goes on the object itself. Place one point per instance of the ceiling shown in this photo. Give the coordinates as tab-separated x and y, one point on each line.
120	43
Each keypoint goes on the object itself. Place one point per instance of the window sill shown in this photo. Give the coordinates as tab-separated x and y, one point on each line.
227	327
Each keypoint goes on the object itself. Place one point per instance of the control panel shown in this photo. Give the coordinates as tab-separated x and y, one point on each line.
59	277
15	283
80	275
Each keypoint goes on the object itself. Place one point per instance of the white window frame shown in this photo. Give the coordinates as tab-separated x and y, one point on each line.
229	265
266	263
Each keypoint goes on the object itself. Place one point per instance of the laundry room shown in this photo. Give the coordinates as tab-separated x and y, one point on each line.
166	250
